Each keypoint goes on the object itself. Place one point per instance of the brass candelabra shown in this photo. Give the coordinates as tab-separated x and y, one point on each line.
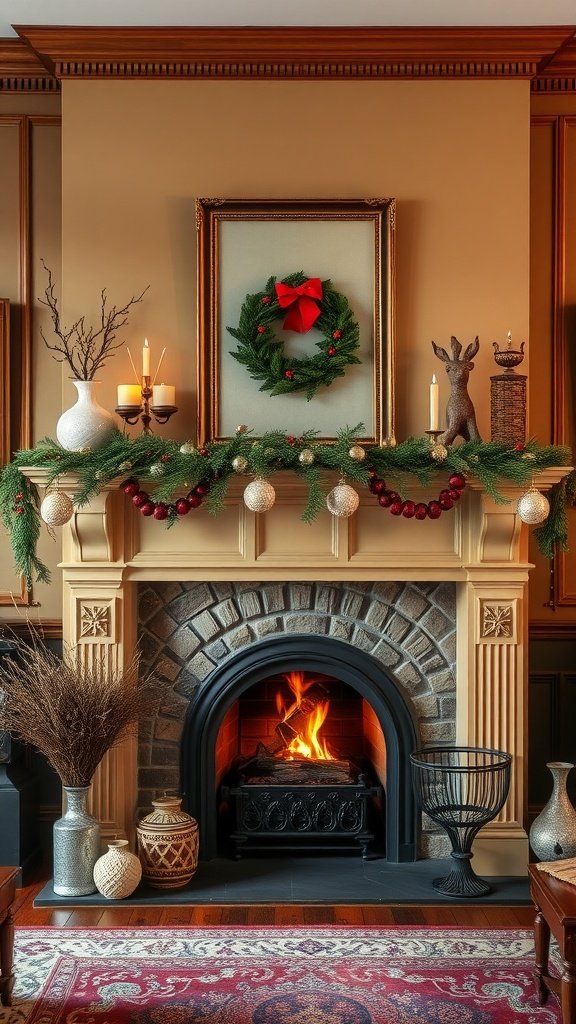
145	411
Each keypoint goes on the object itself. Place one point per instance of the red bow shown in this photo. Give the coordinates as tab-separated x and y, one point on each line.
303	299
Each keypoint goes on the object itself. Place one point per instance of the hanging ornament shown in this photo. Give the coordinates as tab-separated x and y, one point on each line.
187	448
56	509
342	500
306	457
357	452
259	496
533	507
157	469
438	452
239	463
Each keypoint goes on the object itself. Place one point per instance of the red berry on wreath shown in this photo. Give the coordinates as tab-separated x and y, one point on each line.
19	496
203	451
147	509
332	350
165	458
457	481
266	300
396	508
420	510
131	487
161	511
182	507
434	510
372	471
194	500
291	439
261	329
336	334
140	498
289	374
519	447
408	509
18	509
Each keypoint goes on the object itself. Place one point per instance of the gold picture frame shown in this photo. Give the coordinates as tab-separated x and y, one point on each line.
5	438
243	242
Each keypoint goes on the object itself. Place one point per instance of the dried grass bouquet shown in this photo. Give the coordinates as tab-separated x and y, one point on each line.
71	712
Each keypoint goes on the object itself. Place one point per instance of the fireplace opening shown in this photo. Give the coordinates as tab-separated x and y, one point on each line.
239	722
311	752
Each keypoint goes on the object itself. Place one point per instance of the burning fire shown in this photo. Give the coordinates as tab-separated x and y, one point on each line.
306	717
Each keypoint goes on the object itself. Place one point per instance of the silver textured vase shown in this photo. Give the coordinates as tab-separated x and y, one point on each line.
553	832
76	838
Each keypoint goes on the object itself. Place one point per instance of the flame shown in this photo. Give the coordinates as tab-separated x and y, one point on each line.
307	743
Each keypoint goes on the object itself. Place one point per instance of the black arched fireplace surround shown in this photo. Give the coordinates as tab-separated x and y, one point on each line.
314	654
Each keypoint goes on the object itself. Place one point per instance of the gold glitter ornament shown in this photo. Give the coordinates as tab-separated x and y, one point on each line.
533	507
306	457
188	448
438	452
241	428
357	453
56	509
259	496
342	500
239	464
124	467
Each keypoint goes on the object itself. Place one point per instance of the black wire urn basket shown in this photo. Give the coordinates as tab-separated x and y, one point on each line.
461	789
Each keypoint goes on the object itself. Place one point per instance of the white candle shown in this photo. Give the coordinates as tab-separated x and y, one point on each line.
434	404
146	359
129	394
163	394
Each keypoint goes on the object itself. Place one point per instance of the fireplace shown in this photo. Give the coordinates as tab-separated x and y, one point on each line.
126	579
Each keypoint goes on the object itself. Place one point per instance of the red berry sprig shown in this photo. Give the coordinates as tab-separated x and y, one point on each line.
420	509
161	510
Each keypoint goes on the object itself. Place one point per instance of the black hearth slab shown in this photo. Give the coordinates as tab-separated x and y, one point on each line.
303	879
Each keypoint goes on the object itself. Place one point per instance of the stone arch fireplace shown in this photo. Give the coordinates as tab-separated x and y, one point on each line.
314	654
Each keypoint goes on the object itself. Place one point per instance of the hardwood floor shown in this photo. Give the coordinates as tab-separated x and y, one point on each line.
117	916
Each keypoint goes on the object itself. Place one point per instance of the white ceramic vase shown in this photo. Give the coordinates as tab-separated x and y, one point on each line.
118	872
87	424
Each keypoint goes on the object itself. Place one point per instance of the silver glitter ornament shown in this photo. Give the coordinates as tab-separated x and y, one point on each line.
188	448
533	507
56	509
357	453
239	463
306	457
259	496
342	500
157	469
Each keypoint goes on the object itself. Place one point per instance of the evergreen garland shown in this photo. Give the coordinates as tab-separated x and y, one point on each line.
172	468
261	352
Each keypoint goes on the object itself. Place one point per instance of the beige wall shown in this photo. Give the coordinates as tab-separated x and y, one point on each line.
454	154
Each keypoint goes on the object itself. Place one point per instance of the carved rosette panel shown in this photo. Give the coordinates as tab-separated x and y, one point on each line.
95	622
497	621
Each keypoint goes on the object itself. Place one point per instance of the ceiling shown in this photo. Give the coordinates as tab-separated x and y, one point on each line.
272	12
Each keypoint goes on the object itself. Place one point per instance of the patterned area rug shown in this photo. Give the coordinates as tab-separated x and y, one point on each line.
276	976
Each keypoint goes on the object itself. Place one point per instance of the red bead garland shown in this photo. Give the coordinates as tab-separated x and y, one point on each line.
417	510
160	510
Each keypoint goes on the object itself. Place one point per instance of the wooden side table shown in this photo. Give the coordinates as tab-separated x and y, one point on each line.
555	903
8	878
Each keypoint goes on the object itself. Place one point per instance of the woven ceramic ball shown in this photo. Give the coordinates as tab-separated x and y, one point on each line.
56	509
117	873
259	496
239	464
342	501
533	507
306	457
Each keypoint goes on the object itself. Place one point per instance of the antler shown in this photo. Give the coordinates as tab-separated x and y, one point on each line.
456	348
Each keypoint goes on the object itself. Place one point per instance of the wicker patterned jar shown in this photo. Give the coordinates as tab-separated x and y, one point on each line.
118	872
168	844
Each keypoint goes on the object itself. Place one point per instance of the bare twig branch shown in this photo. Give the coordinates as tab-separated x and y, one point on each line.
86	349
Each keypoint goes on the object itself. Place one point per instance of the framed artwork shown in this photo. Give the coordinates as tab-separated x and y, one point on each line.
4	381
347	247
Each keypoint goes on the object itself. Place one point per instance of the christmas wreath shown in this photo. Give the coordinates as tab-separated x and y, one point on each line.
305	302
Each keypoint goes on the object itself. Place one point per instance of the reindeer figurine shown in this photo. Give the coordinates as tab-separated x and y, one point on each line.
460	415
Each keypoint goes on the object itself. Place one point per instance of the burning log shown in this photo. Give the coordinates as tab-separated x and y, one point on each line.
302	771
296	720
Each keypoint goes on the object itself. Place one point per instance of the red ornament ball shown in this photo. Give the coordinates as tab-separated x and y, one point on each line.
420	510
182	507
332	350
194	500
147	509
203	451
454	494
289	374
396	508
385	499
130	487
408	509
519	447
445	501
140	498
201	490
457	481
434	510
161	511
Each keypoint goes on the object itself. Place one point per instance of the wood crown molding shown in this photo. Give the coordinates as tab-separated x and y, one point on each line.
22	71
294	52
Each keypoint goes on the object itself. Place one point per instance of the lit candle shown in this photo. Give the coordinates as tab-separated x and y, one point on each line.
129	394
163	394
146	359
509	339
434	404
